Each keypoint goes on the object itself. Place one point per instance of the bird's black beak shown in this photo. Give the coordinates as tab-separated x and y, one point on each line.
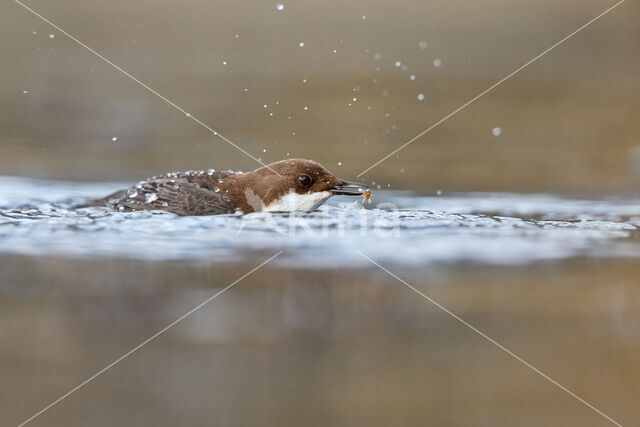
346	188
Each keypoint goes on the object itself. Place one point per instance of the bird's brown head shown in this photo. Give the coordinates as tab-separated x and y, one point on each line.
291	185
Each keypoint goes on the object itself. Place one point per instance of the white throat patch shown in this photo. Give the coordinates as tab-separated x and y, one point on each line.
293	201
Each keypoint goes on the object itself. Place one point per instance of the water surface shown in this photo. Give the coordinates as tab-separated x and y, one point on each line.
398	227
319	336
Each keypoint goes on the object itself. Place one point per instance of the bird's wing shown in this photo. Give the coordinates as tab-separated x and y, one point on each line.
178	196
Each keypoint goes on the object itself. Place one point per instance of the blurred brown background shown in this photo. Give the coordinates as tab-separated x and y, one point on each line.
318	348
347	347
568	121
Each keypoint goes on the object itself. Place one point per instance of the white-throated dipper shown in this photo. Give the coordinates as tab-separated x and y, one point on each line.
284	186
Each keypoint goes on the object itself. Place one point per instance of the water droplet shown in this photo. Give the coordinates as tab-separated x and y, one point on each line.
52	36
412	77
114	138
265	105
355	99
220	180
237	35
422	45
334	51
25	92
421	97
34	32
398	64
437	63
377	57
188	114
264	150
279	6
339	163
439	192
364	16
132	193
301	44
306	108
216	189
496	131
304	80
224	62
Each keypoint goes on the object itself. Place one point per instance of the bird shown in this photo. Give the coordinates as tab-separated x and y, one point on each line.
283	186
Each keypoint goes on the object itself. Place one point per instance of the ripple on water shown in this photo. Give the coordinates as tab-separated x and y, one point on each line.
35	219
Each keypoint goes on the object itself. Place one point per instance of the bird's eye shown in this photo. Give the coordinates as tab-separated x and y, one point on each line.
304	180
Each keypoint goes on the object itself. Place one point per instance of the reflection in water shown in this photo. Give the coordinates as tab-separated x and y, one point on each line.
316	347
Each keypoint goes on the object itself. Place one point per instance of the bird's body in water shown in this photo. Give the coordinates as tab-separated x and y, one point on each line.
284	186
